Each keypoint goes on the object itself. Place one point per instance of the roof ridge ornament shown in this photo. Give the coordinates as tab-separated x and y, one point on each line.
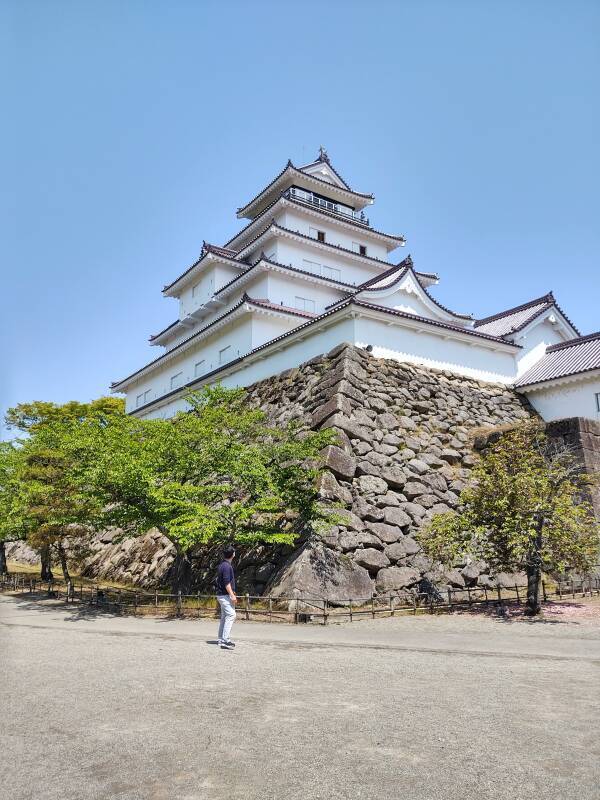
323	155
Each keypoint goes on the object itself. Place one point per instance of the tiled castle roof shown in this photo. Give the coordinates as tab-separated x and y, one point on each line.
290	166
515	319
566	359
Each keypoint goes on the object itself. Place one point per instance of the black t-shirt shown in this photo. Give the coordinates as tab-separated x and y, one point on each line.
225	575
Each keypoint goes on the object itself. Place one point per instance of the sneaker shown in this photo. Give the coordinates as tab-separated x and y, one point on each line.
227	645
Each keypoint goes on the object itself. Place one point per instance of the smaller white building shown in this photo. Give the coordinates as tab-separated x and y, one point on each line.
307	272
565	382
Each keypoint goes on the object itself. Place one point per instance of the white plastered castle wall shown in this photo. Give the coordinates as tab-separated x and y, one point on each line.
203	287
290	290
534	341
226	344
439	351
311	258
340	235
577	398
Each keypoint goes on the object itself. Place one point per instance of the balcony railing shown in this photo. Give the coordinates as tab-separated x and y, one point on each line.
326	205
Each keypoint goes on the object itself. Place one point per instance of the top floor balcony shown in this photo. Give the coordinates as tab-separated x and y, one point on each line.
304	196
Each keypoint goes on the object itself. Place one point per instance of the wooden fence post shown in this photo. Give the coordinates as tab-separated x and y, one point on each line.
373	607
247	605
178	612
270	609
325	613
350	601
517	591
544	593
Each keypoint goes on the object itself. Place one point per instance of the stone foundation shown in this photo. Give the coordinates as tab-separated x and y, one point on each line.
405	451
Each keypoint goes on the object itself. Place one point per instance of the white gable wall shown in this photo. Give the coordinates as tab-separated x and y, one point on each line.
534	342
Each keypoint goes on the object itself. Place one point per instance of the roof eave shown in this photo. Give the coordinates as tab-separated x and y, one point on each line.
549	383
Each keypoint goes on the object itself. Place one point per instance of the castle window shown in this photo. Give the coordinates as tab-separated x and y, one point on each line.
321	236
195	289
597	395
305	304
359	248
199	368
176	380
142	398
224	354
331	272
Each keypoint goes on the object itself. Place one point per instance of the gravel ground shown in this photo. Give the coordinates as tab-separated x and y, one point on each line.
464	706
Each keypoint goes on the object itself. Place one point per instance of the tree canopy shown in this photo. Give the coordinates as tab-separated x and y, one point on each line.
528	509
216	472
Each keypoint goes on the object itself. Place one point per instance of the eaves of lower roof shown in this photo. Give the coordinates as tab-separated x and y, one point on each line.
326	245
568	377
316	211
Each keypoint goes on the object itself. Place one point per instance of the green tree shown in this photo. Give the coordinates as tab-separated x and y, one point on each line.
12	524
217	472
55	504
528	509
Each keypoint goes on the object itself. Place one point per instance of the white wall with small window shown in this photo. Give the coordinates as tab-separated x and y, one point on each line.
142	398
176	380
319	260
285	288
199	291
342	235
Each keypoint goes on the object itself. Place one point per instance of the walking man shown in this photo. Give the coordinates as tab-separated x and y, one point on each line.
226	598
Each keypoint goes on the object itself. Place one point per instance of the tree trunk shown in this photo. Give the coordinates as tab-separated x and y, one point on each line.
181	572
534	576
46	569
534	572
62	556
3	567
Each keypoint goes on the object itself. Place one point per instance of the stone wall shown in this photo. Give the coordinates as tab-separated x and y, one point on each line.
404	453
583	436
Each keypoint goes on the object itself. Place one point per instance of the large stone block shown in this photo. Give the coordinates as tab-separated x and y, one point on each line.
371	559
387	533
396	516
338	403
339	462
392	578
316	572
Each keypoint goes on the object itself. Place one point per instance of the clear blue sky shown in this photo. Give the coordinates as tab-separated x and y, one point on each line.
133	130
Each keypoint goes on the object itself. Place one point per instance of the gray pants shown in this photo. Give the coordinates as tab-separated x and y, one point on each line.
227	616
